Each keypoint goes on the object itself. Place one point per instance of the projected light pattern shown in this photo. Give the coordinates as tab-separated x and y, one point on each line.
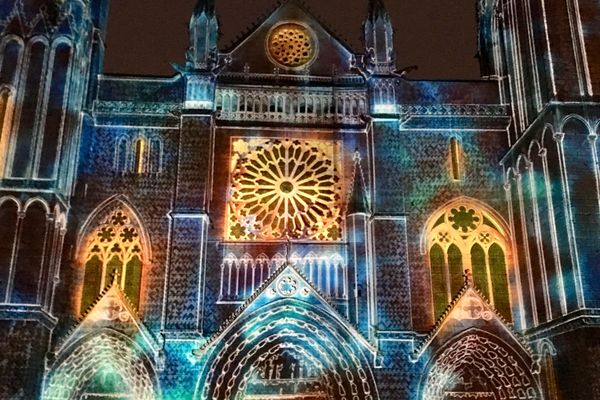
113	249
284	188
113	369
291	218
287	348
459	373
464	236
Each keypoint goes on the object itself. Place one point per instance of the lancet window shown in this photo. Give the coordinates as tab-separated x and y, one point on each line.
139	156
6	113
465	237
113	250
41	74
24	146
56	111
455	159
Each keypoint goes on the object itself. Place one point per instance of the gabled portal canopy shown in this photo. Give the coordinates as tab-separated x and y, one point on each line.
287	339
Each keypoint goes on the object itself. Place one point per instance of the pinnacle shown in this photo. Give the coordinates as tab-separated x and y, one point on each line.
205	6
376	10
357	199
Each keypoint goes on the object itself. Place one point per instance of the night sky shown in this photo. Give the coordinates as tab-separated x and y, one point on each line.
439	36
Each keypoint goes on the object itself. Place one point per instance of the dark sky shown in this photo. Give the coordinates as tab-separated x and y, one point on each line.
146	36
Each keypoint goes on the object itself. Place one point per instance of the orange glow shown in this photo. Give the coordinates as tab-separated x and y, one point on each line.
6	106
284	188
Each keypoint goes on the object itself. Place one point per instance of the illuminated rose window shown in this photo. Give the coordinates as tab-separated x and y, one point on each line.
291	45
284	188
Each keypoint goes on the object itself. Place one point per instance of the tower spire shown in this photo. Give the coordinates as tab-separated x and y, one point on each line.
379	38
357	198
205	6
376	10
204	34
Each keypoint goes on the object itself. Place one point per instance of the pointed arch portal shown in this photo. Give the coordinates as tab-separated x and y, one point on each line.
107	365
480	366
286	349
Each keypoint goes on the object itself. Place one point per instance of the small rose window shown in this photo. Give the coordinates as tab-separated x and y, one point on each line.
291	45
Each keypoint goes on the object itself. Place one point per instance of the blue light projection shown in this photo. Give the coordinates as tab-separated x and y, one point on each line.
286	218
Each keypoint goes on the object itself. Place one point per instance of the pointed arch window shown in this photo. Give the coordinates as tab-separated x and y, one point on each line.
455	159
121	155
113	250
6	115
155	156
464	236
140	156
55	112
22	157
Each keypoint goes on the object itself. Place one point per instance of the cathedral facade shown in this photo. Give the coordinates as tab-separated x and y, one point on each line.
292	218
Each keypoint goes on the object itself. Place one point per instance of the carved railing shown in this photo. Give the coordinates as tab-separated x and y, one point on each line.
240	277
291	106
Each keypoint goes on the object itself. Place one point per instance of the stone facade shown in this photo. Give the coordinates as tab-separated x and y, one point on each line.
290	218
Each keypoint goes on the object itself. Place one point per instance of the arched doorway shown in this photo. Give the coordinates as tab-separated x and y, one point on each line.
286	349
107	365
479	365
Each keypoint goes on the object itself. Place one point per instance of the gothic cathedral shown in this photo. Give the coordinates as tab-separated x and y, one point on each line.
292	218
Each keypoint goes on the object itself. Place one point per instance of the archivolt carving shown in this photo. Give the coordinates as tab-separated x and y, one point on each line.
103	354
290	349
480	368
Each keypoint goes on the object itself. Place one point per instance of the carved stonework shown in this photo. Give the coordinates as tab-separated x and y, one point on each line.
472	307
284	188
304	107
292	45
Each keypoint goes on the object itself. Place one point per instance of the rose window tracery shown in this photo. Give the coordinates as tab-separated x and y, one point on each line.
284	189
464	219
291	45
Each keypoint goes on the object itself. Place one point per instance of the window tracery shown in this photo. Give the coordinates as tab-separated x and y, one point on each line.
479	367
284	188
291	45
464	236
113	249
139	156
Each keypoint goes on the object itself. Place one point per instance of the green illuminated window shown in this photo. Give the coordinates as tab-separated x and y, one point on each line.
464	237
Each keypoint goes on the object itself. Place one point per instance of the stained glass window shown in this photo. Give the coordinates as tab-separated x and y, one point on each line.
113	249
284	189
465	237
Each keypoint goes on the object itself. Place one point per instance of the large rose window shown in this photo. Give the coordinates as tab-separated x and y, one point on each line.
284	189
